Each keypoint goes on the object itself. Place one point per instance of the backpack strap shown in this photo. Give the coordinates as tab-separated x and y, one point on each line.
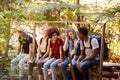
89	43
46	44
41	40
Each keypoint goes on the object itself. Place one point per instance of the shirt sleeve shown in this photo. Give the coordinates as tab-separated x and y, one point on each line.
94	43
61	42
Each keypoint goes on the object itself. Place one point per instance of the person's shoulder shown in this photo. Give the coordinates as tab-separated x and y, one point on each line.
94	39
59	39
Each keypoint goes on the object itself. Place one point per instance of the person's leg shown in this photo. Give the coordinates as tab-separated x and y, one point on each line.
14	64
46	65
22	64
40	63
74	63
64	64
52	66
87	64
31	65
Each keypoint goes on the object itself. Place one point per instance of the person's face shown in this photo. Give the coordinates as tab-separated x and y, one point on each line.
54	36
71	34
22	35
45	32
81	36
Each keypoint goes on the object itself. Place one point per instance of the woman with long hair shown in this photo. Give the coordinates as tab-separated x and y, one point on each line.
69	46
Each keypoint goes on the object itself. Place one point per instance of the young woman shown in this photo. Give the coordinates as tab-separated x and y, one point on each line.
55	56
43	51
70	44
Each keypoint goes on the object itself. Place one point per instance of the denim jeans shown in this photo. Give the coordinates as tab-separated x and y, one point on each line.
87	64
52	63
21	59
64	64
40	63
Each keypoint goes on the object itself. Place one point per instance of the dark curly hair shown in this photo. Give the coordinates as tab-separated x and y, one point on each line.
53	30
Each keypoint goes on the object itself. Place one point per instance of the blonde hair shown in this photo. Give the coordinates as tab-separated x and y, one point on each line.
71	30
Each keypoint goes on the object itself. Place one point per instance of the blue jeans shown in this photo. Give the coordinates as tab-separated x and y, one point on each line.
64	64
52	63
21	59
87	64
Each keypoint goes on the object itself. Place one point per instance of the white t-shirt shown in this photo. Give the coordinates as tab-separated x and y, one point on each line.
88	51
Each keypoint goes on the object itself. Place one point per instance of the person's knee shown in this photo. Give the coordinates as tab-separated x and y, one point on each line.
39	64
52	66
45	65
63	66
74	65
13	61
21	63
83	66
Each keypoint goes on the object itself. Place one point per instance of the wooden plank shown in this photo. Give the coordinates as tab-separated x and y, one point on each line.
110	64
64	22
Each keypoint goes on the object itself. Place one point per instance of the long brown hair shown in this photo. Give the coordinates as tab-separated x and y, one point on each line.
71	30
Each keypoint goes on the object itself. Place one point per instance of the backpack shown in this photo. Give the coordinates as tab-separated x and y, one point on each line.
77	50
46	44
105	54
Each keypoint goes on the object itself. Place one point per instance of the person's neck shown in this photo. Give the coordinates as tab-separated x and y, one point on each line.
86	38
53	41
45	37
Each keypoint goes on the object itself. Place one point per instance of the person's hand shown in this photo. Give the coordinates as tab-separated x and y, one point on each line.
29	61
78	64
78	61
82	60
66	39
59	65
36	61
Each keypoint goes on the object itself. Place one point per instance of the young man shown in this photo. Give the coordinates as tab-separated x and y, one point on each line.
23	52
89	55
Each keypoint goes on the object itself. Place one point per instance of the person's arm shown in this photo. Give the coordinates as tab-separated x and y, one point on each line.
61	54
94	54
31	53
50	54
95	47
82	55
19	48
65	46
38	52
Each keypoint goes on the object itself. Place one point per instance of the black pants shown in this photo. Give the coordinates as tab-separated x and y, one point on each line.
31	65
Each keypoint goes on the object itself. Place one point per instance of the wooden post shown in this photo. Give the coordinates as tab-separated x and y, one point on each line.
102	50
77	12
71	67
34	34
